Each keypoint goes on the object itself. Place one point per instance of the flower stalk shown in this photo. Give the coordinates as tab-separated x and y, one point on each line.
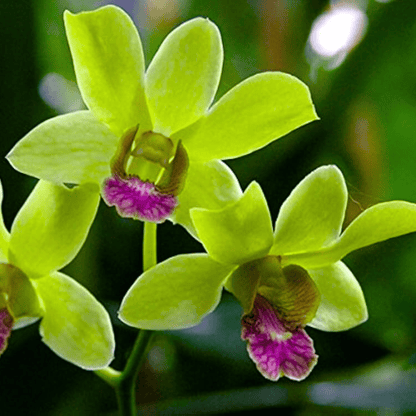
124	382
125	388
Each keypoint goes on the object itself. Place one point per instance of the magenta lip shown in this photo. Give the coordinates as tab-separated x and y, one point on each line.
276	350
134	198
6	325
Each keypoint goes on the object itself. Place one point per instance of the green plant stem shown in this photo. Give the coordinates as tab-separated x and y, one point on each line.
149	245
124	382
125	388
109	375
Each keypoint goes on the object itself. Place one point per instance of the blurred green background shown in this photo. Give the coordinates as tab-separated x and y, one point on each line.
359	60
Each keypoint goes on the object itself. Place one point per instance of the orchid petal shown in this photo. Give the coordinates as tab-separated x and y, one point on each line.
210	185
109	65
6	325
183	77
377	223
342	303
51	227
276	350
312	215
72	148
174	294
256	112
75	325
240	232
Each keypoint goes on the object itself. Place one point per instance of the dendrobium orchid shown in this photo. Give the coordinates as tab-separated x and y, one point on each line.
284	280
46	235
153	140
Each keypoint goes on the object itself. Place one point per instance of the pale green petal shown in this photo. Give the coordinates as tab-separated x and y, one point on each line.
109	65
183	77
4	234
75	325
210	185
72	148
256	112
175	294
378	223
239	233
312	215
51	227
342	301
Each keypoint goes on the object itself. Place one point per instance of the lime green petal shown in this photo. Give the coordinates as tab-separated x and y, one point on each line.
183	77
51	227
175	294
239	233
210	185
312	215
378	223
75	325
342	301
73	148
4	234
256	112
109	65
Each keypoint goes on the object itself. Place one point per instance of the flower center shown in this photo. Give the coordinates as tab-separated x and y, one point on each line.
147	175
289	289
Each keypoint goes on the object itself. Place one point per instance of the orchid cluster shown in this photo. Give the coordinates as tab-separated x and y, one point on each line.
151	144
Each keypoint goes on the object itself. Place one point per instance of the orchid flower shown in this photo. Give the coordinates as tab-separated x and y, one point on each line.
45	236
284	280
152	139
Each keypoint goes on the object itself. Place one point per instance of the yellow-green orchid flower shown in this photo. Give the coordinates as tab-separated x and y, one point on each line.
152	139
45	236
284	280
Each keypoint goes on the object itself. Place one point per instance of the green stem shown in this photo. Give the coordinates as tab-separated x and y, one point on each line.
124	382
125	388
149	245
109	375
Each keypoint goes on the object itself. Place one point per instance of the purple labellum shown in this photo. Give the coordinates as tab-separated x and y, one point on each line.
6	325
276	350
134	198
